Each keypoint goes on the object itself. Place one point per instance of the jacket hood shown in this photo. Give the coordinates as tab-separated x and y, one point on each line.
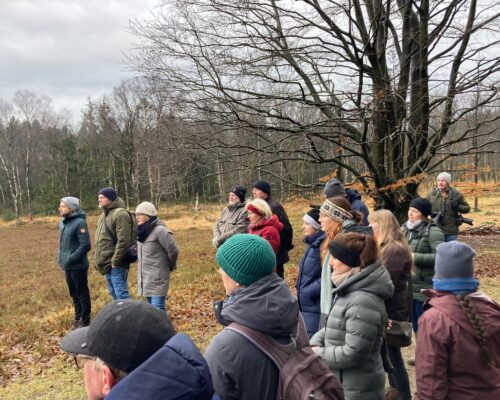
117	203
266	305
351	226
316	239
176	371
372	279
79	213
352	195
448	303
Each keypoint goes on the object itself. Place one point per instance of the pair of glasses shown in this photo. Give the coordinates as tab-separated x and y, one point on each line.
81	359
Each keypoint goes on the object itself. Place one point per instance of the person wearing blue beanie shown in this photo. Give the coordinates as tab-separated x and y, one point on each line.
458	343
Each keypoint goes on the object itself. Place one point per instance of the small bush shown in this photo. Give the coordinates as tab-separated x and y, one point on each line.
8	215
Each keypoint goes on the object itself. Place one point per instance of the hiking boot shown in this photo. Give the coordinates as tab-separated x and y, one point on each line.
83	323
411	360
391	394
75	324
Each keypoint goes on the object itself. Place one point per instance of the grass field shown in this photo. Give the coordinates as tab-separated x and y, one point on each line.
36	311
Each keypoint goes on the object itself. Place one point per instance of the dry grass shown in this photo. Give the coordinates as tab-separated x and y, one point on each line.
36	311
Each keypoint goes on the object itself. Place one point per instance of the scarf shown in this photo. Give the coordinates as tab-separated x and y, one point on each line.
413	225
337	279
145	229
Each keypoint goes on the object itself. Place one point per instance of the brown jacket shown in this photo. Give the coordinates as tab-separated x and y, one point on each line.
448	362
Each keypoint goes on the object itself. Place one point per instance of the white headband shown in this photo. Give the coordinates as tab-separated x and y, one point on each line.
311	221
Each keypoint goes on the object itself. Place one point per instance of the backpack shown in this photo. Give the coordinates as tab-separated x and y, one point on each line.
303	374
131	255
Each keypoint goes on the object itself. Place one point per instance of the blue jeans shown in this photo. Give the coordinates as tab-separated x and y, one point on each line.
157	301
450	237
417	312
117	283
398	378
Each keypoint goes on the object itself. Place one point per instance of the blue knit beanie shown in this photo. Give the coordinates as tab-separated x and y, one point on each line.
246	258
109	193
454	268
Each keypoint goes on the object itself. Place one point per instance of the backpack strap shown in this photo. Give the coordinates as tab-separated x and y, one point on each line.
277	352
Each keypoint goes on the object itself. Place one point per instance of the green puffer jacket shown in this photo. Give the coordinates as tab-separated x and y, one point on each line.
351	341
423	241
120	222
450	206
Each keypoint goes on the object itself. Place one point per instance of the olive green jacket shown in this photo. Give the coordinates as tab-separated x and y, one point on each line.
120	222
423	241
450	206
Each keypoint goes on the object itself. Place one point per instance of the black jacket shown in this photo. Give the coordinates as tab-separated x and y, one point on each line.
286	235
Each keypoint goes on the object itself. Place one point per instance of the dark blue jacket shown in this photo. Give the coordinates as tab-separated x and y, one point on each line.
357	204
74	242
309	282
176	371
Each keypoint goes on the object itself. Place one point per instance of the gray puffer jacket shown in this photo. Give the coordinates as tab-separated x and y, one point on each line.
351	341
233	220
240	371
156	256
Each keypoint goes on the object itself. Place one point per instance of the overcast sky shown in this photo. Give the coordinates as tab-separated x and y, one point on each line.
66	49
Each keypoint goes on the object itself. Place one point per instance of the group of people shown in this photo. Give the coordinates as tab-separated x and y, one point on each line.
363	281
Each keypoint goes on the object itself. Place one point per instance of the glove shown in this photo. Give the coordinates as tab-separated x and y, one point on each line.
215	242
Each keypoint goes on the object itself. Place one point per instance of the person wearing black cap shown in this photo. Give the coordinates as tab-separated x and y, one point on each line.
130	351
458	345
308	283
423	236
234	217
351	341
113	237
262	190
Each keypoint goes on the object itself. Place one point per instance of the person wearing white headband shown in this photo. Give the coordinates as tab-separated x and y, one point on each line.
309	279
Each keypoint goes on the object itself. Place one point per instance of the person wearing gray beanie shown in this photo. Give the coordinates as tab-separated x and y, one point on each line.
334	188
256	298
458	344
157	254
450	204
74	244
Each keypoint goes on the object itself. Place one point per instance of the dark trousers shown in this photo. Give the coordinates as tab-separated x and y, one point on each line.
280	270
398	378
79	292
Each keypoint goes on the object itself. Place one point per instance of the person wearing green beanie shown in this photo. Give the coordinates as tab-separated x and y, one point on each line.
256	298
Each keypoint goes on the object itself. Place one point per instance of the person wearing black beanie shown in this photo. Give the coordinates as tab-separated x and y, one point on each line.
423	237
233	218
262	190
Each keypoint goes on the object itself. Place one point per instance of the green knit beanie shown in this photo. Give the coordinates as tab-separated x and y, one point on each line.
246	258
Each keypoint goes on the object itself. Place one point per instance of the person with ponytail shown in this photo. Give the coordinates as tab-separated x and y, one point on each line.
352	339
458	344
396	258
336	216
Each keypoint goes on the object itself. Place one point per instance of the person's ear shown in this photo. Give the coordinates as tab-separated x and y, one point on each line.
108	380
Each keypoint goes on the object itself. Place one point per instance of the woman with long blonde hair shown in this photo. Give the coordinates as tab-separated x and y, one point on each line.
336	216
396	257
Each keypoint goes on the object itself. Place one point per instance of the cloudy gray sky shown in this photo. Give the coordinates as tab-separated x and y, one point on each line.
66	49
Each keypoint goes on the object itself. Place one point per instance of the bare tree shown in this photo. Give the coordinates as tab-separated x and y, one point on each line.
371	87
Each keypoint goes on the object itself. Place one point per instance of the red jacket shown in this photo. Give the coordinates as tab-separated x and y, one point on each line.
269	229
448	363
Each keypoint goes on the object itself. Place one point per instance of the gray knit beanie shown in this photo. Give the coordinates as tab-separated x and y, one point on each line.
246	258
446	176
333	188
454	260
71	202
146	208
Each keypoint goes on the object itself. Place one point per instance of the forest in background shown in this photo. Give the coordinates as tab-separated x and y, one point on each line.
381	95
